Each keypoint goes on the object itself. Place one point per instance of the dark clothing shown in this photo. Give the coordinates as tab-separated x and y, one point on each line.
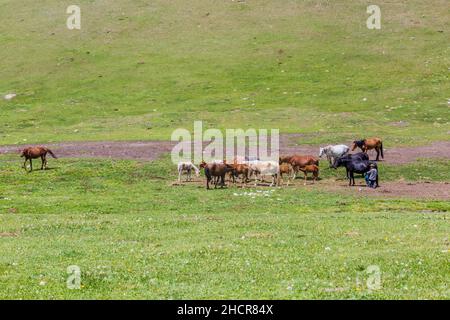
371	178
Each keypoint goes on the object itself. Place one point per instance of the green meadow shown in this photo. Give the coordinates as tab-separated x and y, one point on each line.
134	235
138	70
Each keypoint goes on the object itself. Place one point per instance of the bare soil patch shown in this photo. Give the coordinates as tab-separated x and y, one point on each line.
391	189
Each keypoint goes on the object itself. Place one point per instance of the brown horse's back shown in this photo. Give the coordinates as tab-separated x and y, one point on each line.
372	143
369	144
33	152
301	161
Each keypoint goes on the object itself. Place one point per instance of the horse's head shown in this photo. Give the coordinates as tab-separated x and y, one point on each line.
321	152
338	162
357	144
202	164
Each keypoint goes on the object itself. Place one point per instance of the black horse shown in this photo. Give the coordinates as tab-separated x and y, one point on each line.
356	156
353	165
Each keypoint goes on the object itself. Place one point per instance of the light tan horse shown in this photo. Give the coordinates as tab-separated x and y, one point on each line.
34	153
369	144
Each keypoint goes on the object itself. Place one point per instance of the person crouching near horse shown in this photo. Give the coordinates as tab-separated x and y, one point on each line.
371	177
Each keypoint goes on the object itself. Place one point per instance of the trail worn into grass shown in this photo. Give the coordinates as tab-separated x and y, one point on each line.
389	189
150	150
397	189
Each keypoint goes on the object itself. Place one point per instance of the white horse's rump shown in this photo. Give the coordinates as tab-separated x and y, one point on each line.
334	152
265	168
187	167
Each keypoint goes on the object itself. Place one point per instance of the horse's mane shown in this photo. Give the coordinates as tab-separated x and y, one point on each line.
359	143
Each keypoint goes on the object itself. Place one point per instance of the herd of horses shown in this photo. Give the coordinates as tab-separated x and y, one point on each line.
287	166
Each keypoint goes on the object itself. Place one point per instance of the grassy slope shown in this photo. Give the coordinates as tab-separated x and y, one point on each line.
135	236
139	69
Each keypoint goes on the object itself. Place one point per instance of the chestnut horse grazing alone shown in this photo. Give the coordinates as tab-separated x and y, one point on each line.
368	144
34	153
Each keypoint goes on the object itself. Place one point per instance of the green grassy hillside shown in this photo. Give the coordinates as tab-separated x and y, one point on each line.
139	69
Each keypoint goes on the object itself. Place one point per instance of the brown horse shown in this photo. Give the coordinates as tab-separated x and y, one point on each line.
298	161
216	170
240	169
369	144
286	168
34	153
310	168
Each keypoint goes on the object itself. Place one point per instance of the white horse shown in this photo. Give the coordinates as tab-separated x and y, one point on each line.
334	152
265	168
187	167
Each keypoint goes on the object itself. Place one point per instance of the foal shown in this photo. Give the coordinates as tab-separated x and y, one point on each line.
187	167
240	169
34	153
310	168
286	168
298	161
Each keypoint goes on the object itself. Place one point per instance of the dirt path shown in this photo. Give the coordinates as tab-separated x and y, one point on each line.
150	150
397	189
389	189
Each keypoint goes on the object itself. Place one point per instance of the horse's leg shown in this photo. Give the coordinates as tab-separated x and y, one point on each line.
274	180
42	164
350	175
377	149
31	165
25	164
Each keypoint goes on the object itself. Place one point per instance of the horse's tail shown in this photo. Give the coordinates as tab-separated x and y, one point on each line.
381	149
51	153
207	173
